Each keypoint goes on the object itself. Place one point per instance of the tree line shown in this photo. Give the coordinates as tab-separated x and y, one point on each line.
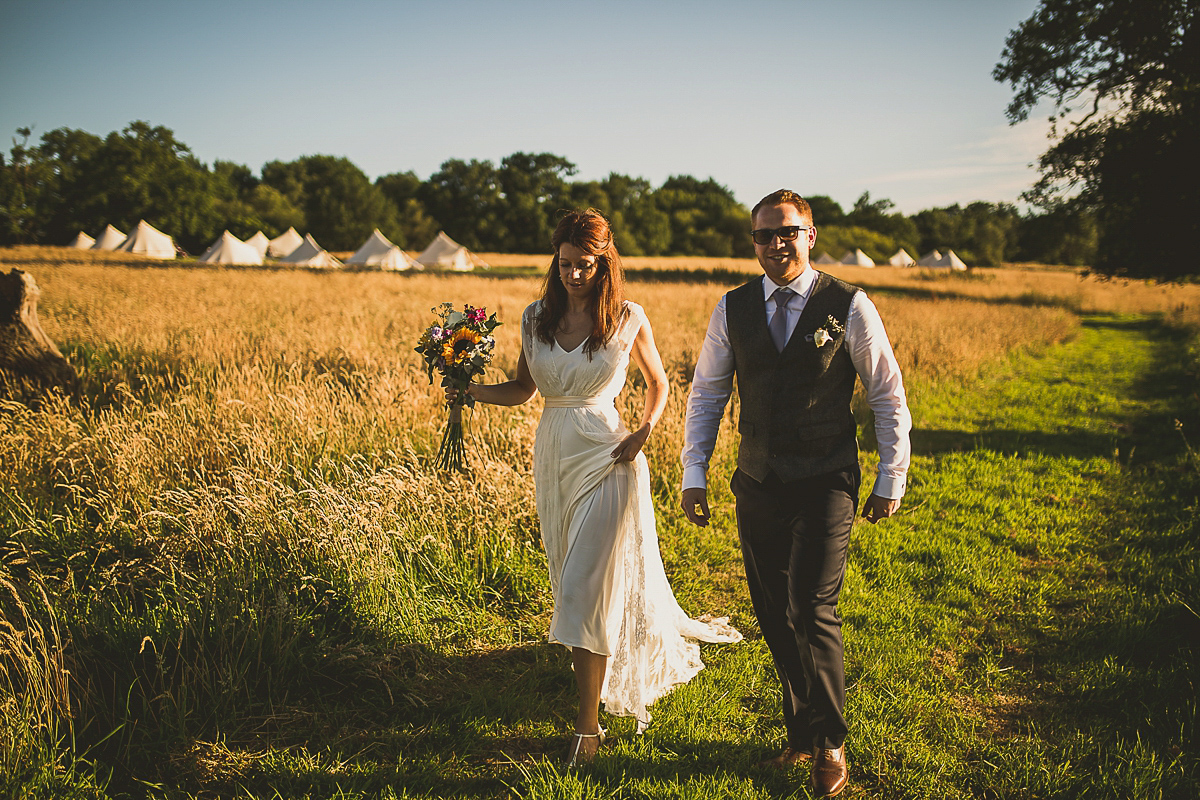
73	180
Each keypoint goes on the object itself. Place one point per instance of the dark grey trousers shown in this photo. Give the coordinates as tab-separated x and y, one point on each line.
794	540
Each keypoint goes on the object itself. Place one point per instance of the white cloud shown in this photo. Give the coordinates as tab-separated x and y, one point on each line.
1006	151
997	167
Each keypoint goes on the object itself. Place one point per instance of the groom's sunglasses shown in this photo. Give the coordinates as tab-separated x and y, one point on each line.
786	234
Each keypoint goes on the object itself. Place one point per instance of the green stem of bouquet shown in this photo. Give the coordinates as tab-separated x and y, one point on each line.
452	453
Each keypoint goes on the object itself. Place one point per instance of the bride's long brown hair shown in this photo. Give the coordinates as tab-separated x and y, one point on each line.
590	232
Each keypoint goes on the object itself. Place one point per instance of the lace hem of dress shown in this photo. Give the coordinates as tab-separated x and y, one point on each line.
657	649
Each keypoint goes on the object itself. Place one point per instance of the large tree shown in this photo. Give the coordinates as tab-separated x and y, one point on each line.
465	198
340	204
417	228
1123	79
705	218
534	189
877	215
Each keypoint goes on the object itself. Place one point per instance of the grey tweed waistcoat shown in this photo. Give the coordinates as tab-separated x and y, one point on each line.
795	405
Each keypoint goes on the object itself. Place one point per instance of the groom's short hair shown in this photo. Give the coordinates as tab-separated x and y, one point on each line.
785	196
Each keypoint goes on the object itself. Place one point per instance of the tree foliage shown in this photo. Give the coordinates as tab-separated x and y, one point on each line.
704	218
533	188
1123	78
1064	234
984	234
73	180
417	228
465	198
878	216
340	204
642	227
825	209
837	240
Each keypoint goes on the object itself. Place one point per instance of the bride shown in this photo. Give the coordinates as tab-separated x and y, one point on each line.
630	641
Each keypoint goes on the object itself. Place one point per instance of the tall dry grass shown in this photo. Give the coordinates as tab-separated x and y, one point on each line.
236	513
35	708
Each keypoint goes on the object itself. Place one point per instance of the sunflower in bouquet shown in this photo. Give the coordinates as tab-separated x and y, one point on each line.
459	347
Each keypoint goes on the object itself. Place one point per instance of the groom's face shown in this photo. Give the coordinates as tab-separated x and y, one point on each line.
784	261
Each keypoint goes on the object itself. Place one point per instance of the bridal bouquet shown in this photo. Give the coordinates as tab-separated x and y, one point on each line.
459	346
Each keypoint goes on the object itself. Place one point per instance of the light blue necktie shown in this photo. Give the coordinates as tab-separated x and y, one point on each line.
778	326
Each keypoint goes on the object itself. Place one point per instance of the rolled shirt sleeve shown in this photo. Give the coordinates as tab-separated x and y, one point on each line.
876	365
712	386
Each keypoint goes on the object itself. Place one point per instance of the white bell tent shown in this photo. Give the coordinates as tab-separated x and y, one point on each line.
109	239
445	253
950	260
310	254
930	259
901	259
857	259
284	244
82	242
228	249
259	242
147	240
379	252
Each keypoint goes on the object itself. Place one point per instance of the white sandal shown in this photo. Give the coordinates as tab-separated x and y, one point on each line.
577	742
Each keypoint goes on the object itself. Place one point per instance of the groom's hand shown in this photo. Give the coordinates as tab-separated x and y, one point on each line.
877	508
695	506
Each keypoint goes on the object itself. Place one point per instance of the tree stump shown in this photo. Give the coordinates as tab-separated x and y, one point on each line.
26	352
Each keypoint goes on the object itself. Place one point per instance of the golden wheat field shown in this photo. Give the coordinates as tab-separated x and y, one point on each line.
283	357
199	375
276	346
231	380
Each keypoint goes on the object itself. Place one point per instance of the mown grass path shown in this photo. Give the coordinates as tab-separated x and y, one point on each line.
1027	628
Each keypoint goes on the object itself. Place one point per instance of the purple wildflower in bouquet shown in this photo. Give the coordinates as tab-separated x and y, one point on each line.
459	346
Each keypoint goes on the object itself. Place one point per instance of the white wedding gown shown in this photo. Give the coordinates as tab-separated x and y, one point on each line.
611	594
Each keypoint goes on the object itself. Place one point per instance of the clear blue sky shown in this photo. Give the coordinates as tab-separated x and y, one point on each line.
894	97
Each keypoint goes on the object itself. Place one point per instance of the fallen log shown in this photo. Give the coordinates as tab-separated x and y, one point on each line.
26	352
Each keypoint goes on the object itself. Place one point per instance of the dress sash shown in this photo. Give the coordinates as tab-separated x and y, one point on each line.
575	401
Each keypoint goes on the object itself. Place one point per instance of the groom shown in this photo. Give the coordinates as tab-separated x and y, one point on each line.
796	339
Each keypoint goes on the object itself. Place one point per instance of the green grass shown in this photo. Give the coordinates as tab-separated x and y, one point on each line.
1025	628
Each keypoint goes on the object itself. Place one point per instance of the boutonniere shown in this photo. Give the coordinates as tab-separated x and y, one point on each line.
822	336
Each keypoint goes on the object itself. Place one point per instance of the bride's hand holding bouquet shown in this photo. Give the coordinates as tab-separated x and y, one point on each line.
459	347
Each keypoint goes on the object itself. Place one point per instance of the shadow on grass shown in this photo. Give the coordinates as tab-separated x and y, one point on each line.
1073	444
474	725
498	766
1119	322
1173	377
415	718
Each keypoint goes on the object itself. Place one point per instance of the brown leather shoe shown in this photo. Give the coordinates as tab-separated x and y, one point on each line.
829	773
790	757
